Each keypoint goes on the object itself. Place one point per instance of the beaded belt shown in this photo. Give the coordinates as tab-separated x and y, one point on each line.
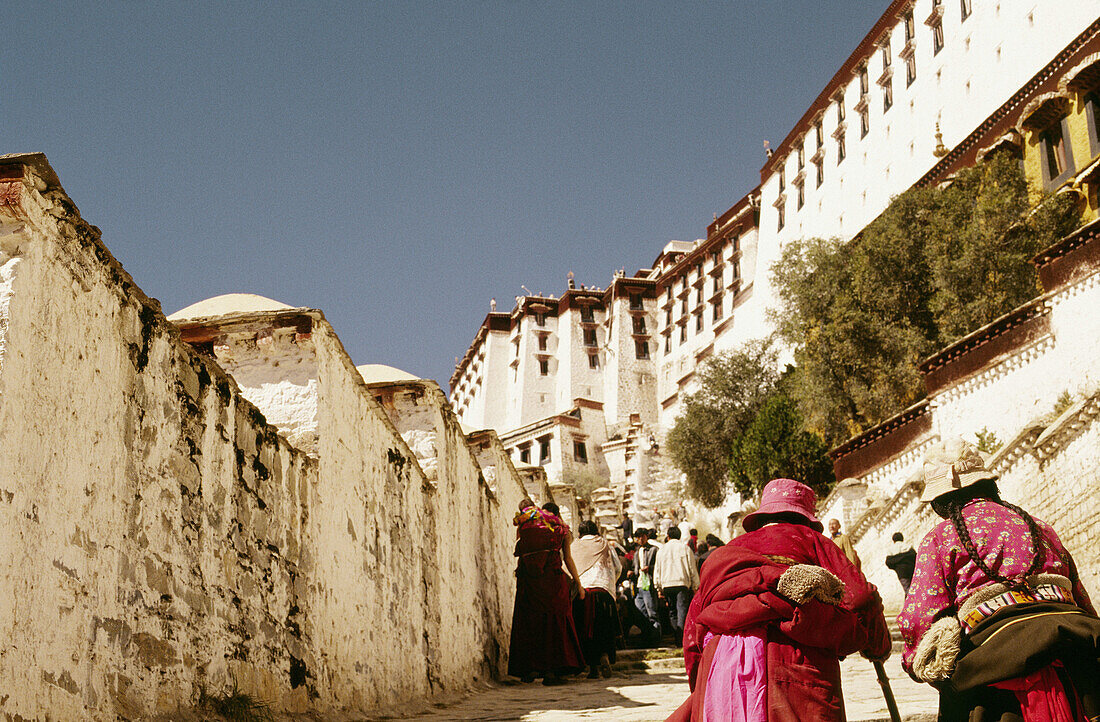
1041	593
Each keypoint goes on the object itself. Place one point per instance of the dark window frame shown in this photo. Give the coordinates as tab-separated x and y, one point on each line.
937	38
1048	152
1092	119
641	349
544	367
580	451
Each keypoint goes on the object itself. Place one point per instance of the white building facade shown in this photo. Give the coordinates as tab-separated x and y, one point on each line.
928	77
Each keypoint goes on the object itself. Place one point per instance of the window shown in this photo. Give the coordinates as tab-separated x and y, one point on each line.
864	82
1057	156
717	285
668	317
544	450
910	32
542	342
540	319
910	70
888	95
801	195
819	165
683	306
668	344
698	295
587	315
1092	113
964	6
579	452
864	123
841	152
819	134
840	108
937	38
639	324
544	366
802	157
525	454
635	301
641	349
593	361
683	333
717	310
589	337
886	59
782	219
782	180
698	322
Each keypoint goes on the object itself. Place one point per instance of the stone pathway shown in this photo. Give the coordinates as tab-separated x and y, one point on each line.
650	696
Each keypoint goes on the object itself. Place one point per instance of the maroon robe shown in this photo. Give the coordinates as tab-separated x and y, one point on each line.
544	638
803	642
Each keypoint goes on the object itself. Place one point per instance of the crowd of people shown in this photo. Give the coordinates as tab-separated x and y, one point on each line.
995	615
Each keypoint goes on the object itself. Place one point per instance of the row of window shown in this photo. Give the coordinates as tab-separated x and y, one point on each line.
580	451
886	82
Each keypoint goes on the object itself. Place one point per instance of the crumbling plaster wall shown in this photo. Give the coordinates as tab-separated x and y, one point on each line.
153	523
163	537
469	570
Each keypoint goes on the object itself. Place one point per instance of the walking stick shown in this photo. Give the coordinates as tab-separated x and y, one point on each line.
884	682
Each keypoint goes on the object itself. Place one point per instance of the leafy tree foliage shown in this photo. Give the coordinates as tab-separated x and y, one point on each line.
732	387
937	264
775	445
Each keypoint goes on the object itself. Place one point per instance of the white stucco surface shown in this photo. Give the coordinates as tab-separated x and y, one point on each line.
163	538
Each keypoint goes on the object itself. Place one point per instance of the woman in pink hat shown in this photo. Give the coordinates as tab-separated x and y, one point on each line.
775	611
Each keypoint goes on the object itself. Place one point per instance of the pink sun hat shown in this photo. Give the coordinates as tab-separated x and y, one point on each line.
784	495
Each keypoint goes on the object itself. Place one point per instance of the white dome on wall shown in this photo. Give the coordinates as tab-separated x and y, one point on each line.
228	303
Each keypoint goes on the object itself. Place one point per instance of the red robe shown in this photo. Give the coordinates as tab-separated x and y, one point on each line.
803	642
544	638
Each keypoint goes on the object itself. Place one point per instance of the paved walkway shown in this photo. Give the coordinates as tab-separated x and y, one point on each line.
651	696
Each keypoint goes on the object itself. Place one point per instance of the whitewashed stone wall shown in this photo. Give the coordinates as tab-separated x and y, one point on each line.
1049	466
161	537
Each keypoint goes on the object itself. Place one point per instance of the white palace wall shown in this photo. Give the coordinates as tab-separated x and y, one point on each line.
162	537
1049	462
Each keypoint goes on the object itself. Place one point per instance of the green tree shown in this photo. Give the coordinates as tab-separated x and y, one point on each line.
984	235
732	387
775	445
937	264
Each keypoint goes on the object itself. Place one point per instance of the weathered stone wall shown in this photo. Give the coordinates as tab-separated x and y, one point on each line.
162	537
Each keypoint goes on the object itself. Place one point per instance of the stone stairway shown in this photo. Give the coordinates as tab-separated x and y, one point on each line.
659	659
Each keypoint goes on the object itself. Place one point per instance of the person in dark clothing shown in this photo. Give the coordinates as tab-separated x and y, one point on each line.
627	526
645	557
693	540
711	544
902	559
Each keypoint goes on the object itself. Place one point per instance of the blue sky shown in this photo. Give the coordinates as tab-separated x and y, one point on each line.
397	164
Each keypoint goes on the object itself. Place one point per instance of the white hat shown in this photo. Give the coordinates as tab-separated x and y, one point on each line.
951	465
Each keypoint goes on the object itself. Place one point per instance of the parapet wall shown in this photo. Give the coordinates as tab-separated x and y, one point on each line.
163	538
1029	379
